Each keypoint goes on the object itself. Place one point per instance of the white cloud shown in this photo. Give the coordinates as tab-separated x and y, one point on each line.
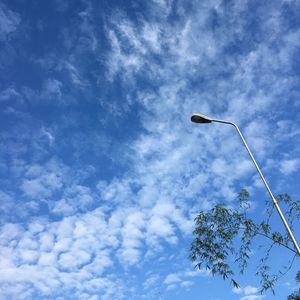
9	22
11	95
46	241
237	290
50	136
183	278
9	232
252	297
62	207
72	244
175	169
250	293
172	278
288	166
287	129
43	181
34	188
187	283
161	227
28	242
52	90
132	236
79	197
118	60
6	202
250	290
29	256
47	259
149	282
73	259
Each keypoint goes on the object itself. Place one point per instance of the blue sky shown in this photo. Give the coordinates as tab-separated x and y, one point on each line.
101	170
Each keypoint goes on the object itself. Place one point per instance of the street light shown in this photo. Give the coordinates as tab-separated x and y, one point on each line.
198	118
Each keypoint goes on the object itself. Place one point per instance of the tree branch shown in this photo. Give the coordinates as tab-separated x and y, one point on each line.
277	242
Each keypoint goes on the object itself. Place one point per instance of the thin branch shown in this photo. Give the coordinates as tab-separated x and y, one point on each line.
277	242
290	266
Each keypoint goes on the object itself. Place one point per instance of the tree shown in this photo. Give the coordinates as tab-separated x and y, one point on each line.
295	295
223	240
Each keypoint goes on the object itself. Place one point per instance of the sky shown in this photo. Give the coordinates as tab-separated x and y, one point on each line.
101	170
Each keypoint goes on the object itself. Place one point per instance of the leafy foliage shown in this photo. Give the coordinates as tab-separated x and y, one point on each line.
224	236
295	295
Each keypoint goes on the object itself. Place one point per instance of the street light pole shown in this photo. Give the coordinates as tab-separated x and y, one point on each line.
198	118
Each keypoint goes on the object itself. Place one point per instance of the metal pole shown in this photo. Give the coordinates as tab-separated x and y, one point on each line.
287	227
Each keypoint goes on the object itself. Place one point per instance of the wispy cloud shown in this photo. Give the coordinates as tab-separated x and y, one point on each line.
9	22
250	293
289	166
105	169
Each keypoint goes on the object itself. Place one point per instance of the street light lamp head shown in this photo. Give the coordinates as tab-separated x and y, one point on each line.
198	118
